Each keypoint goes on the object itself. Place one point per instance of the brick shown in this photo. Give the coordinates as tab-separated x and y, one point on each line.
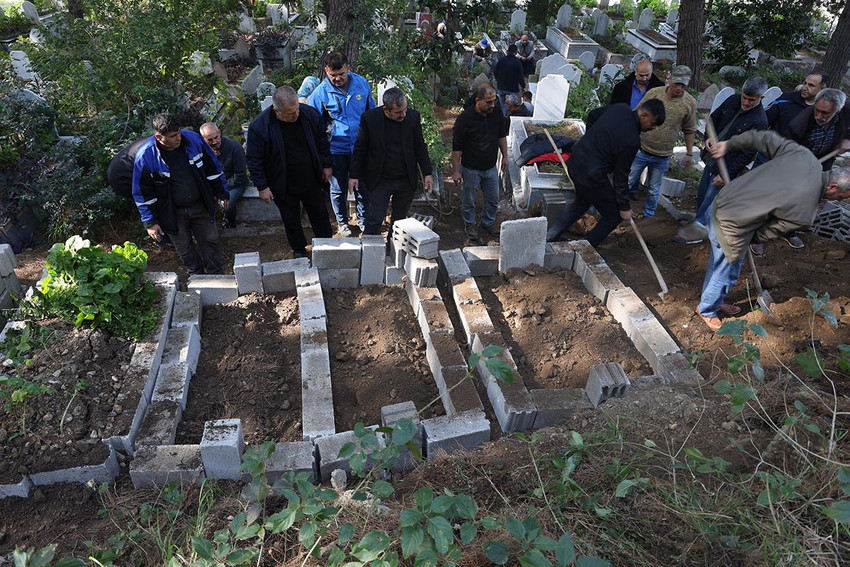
392	275
18	490
421	271
159	426
336	253
214	289
433	316
317	408
182	346
453	266
599	280
295	456
372	260
306	278
222	446
249	274
280	275
466	292
187	310
653	341
556	405
417	295
106	471
559	255
160	465
512	404
676	368
628	310
522	243
475	319
343	278
456	433
311	302
482	260
390	415
328	448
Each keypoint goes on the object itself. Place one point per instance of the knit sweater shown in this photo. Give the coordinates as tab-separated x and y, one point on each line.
681	117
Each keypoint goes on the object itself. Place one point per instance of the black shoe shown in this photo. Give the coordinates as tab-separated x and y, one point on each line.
299	254
471	233
490	230
228	224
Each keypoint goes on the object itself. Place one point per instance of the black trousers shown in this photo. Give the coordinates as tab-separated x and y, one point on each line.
401	193
196	221
601	197
290	212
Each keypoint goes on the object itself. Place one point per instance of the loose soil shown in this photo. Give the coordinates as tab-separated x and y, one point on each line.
571	129
555	328
656	37
249	368
377	355
31	437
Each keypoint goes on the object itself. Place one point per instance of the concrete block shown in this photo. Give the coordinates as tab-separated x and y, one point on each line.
622	385
296	456
676	368
599	280
653	341
671	187
628	310
159	465
441	349
417	295
162	279
280	275
7	262
146	361
453	266
434	317
512	404
328	448
556	405
317	406
427	220
248	272
559	255
482	260
188	310
19	489
182	346
251	208
336	253
214	289
390	415
419	240
584	254
398	253
461	395
452	434
374	252
125	442
159	426
308	277
466	292
343	278
6	301
106	471
421	271
475	319
392	274
314	334
311	302
522	243
606	380
222	446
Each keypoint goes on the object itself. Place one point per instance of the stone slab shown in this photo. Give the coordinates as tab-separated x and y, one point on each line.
187	310
17	490
248	272
453	266
482	260
295	456
159	426
317	409
522	243
222	445
160	465
328	452
336	253
456	433
214	289
342	278
182	346
556	405
559	255
100	473
311	302
280	275
374	252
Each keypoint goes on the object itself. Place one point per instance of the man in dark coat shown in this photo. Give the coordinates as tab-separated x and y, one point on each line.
390	154
510	79
609	147
231	158
631	89
289	156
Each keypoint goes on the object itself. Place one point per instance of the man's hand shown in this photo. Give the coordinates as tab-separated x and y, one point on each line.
626	215
225	203
428	181
717	150
353	184
155	232
266	196
833	193
504	162
457	178
326	174
718	181
688	161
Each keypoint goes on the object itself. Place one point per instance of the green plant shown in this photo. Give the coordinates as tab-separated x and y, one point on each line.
16	392
659	7
13	22
101	289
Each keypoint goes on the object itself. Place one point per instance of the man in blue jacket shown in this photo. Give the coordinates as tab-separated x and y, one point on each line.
343	96
176	180
289	158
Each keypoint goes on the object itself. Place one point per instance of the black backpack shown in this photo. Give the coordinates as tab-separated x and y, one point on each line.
120	171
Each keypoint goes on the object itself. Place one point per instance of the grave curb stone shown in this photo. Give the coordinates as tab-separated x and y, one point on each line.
159	465
339	278
295	456
279	276
328	448
248	272
482	260
374	249
336	253
559	255
522	243
214	289
556	405
100	473
159	426
183	345
451	434
453	266
188	310
222	446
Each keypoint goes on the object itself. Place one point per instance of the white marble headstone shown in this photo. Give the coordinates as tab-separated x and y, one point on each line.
645	20
565	16
587	59
277	12
551	64
600	27
518	19
609	74
322	24
724	93
265	89
383	86
595	14
571	73
246	23
21	64
310	37
266	102
673	18
30	11
550	102
200	63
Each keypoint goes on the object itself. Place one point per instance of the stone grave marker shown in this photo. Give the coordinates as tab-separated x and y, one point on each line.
753	55
603	4
21	64
673	18
551	63
518	19
277	12
571	73
645	19
706	97
200	63
246	23
310	37
322	23
608	74
265	89
266	102
386	83
595	14
587	59
565	17
770	96
600	25
241	48
721	96
30	11
635	59
551	100
36	37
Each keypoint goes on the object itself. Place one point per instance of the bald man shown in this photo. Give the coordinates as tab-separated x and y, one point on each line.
231	158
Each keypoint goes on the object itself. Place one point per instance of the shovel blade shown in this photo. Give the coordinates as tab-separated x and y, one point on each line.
766	303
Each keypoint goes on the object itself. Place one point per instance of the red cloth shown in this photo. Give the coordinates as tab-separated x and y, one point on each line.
551	156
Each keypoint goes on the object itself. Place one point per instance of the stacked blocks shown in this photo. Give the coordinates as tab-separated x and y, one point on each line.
373	259
249	274
833	221
415	247
317	410
337	261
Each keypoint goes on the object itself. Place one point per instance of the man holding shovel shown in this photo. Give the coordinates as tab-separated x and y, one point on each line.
771	200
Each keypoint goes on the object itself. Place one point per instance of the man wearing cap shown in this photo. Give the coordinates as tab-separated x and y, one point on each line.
656	146
482	52
631	89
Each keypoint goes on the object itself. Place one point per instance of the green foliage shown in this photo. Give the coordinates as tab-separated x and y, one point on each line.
15	391
659	7
101	289
13	22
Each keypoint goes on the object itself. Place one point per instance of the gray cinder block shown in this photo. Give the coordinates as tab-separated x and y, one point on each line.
512	404
19	489
418	240
466	292
482	260
418	294
329	447
306	278
390	415
606	380
556	405
249	274
372	259
188	310
336	253
222	446
456	433
392	274
159	426
653	341
600	280
453	266
627	309
214	289
421	271
311	302
522	243
676	368
296	456
434	317
671	187
559	255
182	346
159	465
103	472
342	278
280	275
475	319
317	408
584	254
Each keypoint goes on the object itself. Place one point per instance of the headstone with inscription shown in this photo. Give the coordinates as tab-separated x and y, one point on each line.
518	19
600	27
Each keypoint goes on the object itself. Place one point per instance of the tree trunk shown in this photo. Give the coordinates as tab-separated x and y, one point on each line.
689	38
838	52
343	31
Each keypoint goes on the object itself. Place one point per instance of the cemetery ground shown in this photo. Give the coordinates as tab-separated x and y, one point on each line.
687	518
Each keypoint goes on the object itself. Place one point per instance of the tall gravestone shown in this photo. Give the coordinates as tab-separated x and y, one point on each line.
673	18
600	27
31	12
518	19
550	102
595	14
246	23
706	97
21	64
645	19
565	17
551	64
587	59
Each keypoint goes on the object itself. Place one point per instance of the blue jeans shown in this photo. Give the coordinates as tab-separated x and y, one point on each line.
706	192
488	180
657	167
720	277
339	198
235	195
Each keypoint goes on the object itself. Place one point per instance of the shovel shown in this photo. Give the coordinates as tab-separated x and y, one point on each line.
764	300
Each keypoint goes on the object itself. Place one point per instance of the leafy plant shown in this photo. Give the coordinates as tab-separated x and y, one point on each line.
17	391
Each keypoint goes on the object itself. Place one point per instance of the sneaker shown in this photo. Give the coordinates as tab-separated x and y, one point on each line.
713	322
471	232
491	230
795	241
344	230
757	249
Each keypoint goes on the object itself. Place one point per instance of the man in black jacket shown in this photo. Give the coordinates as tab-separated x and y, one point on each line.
289	156
609	147
510	80
389	154
631	89
231	158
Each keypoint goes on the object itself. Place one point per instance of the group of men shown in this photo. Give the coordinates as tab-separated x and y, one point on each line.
293	151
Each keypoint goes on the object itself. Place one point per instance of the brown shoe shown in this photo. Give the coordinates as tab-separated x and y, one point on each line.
713	322
726	309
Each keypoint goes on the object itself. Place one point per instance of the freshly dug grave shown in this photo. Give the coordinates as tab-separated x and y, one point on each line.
555	328
91	397
377	355
249	368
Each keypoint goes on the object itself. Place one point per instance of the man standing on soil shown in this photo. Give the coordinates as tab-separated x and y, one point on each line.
390	153
609	147
289	157
478	134
176	179
631	89
231	158
656	146
779	196
343	96
509	76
